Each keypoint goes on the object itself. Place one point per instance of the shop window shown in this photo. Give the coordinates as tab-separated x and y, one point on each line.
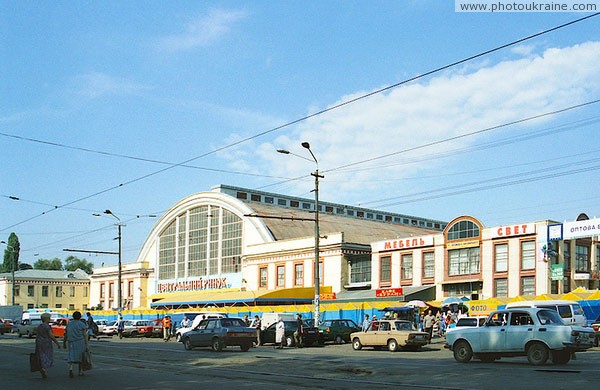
386	270
528	285
501	288
407	267
428	265
501	258
527	255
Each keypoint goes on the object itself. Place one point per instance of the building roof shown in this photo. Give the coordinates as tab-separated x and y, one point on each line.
48	274
357	231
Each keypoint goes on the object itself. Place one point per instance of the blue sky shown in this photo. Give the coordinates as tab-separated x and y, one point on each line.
98	94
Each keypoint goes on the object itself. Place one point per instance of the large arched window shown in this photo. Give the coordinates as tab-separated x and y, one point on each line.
206	240
462	230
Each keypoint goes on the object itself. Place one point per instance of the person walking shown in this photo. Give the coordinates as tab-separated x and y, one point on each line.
298	332
428	322
280	334
366	323
167	328
120	326
91	326
257	325
43	344
76	342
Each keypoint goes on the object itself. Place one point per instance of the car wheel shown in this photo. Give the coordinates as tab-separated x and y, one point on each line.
356	344
392	345
339	340
537	354
561	357
217	345
289	341
178	337
187	343
133	334
462	352
597	341
29	334
245	347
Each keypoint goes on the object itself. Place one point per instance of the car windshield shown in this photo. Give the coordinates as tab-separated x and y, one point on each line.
403	325
549	317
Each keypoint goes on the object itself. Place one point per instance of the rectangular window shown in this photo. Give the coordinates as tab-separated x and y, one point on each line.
282	202
30	291
528	285
255	197
102	290
567	256
329	209
269	199
294	203
407	267
428	265
44	291
111	290
281	276
59	292
582	259
299	274
242	195
386	270
72	291
44	305
71	306
360	269
58	305
360	214
263	272
306	206
501	288
85	291
17	290
30	305
130	288
463	261
501	258
527	255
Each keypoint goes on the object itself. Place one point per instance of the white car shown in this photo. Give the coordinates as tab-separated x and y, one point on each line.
109	329
533	332
467	322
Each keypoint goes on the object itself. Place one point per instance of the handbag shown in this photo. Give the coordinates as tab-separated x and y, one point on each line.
34	362
86	361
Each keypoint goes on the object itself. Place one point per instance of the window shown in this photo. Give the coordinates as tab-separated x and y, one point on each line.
388	218
350	213
462	230
17	290
528	285
111	290
567	256
58	305
30	291
463	261
85	291
501	288
263	272
294	203
102	290
360	269
255	198
329	209
306	206
582	259
71	291
379	217
299	274
501	258
269	199
386	269
407	267
527	255
59	292
370	215
280	276
30	305
71	306
428	265
360	214
130	288
44	291
242	195
282	202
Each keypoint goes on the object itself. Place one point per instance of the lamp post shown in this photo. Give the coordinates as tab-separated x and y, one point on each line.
12	268
317	278
119	225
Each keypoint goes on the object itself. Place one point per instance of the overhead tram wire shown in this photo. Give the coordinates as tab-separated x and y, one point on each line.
315	114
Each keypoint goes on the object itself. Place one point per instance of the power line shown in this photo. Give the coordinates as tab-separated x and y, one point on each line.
306	117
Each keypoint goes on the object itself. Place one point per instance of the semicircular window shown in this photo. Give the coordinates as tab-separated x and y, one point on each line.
462	230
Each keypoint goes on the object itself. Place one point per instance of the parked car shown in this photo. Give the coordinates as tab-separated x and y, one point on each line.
338	330
101	324
220	333
570	311
533	332
310	335
59	326
5	326
157	330
28	327
395	334
131	327
145	328
596	326
110	329
195	322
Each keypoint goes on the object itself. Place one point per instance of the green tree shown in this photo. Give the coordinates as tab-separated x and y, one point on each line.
54	264
73	262
11	254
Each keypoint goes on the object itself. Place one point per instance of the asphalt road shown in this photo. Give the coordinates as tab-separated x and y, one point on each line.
153	364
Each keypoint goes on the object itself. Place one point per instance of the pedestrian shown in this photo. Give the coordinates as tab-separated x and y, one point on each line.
43	344
246	320
428	322
257	325
185	323
366	323
120	326
76	340
167	328
374	323
91	326
280	333
298	332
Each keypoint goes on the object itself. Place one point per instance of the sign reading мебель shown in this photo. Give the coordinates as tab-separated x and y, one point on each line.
402	243
579	229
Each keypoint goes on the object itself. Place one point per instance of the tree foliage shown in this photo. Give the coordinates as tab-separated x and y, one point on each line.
11	254
72	263
54	264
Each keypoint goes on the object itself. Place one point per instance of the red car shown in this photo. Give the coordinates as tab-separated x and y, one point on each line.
145	328
5	326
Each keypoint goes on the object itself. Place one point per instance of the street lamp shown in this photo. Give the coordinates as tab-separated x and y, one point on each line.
317	279
12	267
120	225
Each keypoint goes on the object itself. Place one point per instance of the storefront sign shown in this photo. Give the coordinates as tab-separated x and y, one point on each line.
328	296
404	243
195	284
462	244
388	292
578	229
581	276
514	230
558	271
555	232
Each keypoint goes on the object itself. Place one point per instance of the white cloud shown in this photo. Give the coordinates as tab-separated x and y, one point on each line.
95	84
203	31
440	108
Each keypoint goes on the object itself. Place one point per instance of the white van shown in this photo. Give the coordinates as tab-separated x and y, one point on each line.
271	318
30	315
570	311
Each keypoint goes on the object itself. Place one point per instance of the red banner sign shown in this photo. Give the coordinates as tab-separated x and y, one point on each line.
327	296
388	292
